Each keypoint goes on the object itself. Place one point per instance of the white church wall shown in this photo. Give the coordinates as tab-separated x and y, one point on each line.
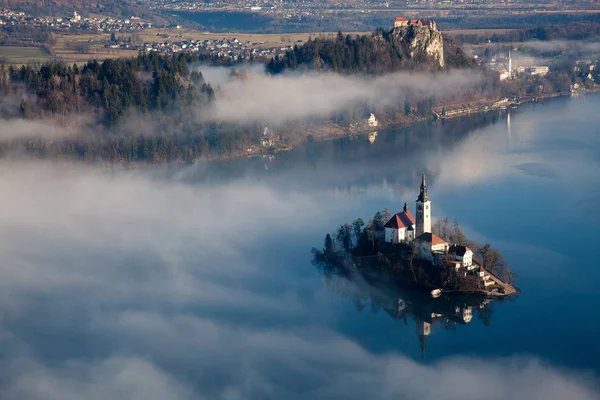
389	235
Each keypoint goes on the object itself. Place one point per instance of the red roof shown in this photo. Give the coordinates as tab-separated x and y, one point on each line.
401	220
400	19
431	238
416	22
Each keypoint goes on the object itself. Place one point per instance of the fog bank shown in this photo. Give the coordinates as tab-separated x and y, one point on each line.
296	96
123	285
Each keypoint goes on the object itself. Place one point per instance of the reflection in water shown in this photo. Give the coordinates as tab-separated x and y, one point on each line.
348	165
509	131
448	312
372	136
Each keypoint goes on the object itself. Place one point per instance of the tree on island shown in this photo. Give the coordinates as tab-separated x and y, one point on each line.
328	249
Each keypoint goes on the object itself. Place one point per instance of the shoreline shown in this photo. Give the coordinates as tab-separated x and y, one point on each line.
482	107
330	132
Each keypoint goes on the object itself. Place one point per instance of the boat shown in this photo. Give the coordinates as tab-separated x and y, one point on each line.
435	293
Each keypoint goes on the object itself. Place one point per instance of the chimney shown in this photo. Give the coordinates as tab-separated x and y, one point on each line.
405	207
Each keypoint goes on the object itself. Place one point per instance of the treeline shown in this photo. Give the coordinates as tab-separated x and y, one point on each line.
378	53
186	145
574	31
25	35
109	90
138	110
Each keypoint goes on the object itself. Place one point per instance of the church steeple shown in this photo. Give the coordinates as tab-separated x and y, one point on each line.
423	331
423	220
423	345
423	194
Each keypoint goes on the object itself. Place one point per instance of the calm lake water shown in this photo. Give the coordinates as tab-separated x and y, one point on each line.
197	281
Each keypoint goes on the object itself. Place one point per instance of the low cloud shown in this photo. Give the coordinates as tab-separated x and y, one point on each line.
296	96
124	285
569	46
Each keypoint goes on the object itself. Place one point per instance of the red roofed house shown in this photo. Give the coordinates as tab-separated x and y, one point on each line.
401	227
431	247
400	22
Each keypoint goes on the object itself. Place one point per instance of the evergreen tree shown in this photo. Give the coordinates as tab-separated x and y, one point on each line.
328	249
24	109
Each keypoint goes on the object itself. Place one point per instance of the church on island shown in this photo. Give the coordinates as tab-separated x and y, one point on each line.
404	228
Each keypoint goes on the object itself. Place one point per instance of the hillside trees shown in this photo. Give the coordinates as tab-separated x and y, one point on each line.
110	89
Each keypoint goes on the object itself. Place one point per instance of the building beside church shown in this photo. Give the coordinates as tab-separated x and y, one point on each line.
462	256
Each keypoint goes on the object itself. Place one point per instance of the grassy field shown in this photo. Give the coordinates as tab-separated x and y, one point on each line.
262	40
67	45
479	32
23	55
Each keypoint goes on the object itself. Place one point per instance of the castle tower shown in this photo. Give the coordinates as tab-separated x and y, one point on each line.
423	220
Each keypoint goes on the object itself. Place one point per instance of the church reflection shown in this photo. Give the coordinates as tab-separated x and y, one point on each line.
449	313
415	308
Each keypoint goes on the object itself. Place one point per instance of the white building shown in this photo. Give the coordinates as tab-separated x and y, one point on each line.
372	121
462	254
431	247
401	227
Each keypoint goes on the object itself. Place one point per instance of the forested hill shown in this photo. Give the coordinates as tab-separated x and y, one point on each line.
109	90
412	48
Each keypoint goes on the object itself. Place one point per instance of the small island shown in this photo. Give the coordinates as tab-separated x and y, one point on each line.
412	253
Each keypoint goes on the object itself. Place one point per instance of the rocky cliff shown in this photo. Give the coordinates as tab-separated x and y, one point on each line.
405	48
421	42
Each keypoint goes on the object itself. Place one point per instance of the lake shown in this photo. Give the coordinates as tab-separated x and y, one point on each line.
197	282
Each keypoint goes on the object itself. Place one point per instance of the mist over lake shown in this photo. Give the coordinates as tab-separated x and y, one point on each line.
189	282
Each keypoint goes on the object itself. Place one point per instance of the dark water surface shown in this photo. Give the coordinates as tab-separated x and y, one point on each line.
197	281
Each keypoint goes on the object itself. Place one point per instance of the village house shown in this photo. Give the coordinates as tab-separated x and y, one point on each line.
461	256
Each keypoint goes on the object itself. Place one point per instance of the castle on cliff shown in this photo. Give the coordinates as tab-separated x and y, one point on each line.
401	21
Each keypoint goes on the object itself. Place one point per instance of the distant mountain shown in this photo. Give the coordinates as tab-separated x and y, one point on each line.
125	8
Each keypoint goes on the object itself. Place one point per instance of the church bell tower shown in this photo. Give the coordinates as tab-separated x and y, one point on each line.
423	220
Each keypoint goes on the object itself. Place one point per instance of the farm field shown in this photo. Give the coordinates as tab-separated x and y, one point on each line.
23	55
